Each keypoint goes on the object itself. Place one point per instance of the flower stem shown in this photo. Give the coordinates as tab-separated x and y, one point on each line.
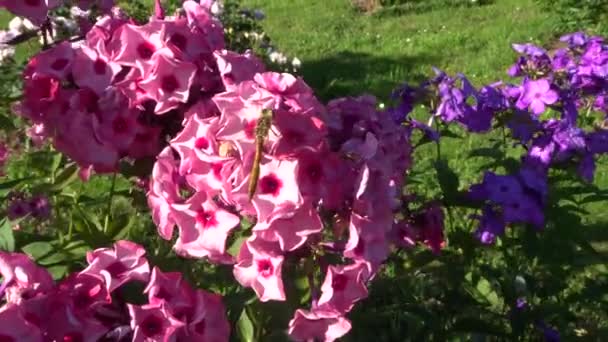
110	199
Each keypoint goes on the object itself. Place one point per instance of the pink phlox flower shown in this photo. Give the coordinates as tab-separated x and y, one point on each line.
293	228
118	265
153	323
168	82
343	287
204	227
317	325
259	266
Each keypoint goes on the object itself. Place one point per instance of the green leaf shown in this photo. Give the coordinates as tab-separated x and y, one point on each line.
235	247
58	271
448	180
64	178
10	185
7	239
245	328
37	250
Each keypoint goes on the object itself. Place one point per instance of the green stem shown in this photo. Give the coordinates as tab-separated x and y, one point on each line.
110	199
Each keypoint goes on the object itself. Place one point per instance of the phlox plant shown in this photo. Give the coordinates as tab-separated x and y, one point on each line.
235	178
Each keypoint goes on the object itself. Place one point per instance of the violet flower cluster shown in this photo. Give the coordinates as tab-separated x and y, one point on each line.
543	110
89	305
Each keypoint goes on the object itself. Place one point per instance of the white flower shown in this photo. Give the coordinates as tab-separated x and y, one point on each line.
77	12
6	51
217	8
19	25
277	57
296	63
68	24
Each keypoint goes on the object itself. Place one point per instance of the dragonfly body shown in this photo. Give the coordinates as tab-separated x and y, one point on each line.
262	129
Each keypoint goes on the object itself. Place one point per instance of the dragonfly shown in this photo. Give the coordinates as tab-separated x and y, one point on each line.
262	128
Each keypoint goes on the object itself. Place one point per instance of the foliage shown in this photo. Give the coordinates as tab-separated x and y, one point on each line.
576	15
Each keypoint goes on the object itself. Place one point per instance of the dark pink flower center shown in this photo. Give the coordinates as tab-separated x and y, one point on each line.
250	129
151	326
120	125
145	50
73	337
33	3
265	268
143	137
201	143
169	83
6	338
99	66
338	282
200	327
217	170
116	269
179	41
270	185
206	218
59	64
293	137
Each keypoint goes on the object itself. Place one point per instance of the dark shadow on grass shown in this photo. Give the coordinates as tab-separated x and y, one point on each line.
351	73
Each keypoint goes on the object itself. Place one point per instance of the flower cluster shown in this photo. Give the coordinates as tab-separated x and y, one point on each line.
124	87
542	111
317	181
20	206
88	305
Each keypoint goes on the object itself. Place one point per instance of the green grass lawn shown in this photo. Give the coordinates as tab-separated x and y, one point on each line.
347	53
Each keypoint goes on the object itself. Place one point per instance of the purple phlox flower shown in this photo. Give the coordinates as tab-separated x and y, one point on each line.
542	149
586	167
491	96
512	91
523	126
597	141
529	50
405	95
569	110
491	226
595	54
18	208
427	130
524	209
534	177
600	103
508	193
562	60
521	304
569	139
517	69
550	334
575	39
40	207
440	76
454	100
536	95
